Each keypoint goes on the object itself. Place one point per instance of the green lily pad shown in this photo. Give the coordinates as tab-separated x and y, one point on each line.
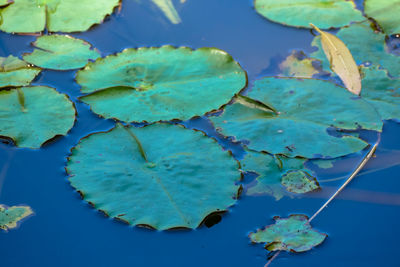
386	13
31	116
299	13
15	72
293	234
55	15
299	66
10	216
382	92
365	45
153	84
61	52
162	175
305	109
5	2
299	182
271	173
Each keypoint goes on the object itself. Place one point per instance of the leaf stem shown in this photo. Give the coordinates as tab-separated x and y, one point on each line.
273	258
354	174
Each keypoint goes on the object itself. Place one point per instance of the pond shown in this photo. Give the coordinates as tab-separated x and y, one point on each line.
66	231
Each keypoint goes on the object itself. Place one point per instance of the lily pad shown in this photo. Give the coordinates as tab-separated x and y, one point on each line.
305	109
10	216
61	52
299	182
29	16
15	72
299	13
382	92
271	173
386	13
153	84
365	45
31	116
298	65
163	176
293	234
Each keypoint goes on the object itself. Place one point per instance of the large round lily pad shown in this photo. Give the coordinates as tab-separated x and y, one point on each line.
386	13
31	116
304	110
28	16
153	84
293	234
163	176
61	52
15	72
300	13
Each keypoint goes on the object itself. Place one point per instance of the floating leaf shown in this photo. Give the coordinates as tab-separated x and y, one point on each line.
298	13
167	7
5	2
31	116
293	234
299	182
152	84
299	66
15	72
61	52
324	163
10	216
341	61
184	177
382	92
306	108
386	13
29	16
270	171
365	46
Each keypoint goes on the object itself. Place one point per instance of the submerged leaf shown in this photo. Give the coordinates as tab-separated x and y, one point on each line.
299	66
43	114
15	72
28	16
167	7
293	234
153	84
298	13
61	52
307	108
186	175
341	61
10	216
386	13
365	45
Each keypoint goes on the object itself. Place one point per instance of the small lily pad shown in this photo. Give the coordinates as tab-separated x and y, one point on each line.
305	109
386	13
15	72
61	52
299	13
163	176
365	45
10	216
28	16
153	84
299	182
293	234
31	116
271	172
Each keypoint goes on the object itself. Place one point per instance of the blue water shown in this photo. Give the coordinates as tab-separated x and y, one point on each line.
65	231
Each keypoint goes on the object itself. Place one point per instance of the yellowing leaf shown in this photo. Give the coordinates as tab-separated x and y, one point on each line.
341	61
